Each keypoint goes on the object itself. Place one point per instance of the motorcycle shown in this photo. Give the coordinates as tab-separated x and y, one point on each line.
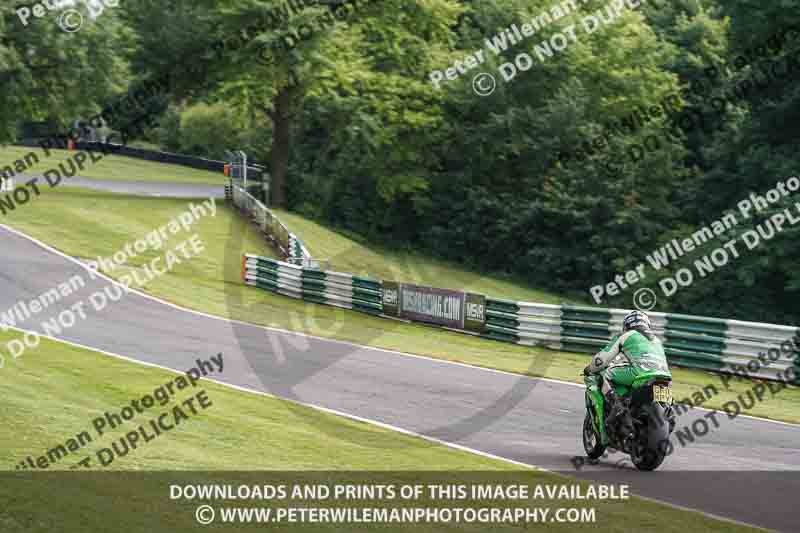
649	403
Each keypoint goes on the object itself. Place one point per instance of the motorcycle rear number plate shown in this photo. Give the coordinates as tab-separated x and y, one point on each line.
662	394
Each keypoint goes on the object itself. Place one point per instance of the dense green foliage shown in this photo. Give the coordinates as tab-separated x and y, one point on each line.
48	74
357	135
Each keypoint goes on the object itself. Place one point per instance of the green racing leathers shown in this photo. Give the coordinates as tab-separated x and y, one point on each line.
626	357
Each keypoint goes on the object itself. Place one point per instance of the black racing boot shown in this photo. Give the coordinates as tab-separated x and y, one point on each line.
626	429
625	421
613	402
619	416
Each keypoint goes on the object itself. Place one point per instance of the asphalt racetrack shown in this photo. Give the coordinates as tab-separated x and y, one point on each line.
747	469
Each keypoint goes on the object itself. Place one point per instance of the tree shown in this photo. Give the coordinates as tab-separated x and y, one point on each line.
49	74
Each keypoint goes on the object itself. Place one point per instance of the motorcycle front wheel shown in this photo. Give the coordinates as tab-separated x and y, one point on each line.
591	440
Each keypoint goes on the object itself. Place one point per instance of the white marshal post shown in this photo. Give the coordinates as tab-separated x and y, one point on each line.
244	168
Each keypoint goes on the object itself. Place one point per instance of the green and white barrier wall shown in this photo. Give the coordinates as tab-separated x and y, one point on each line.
313	285
711	344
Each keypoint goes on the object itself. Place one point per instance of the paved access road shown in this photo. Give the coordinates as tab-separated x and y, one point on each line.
746	469
145	188
149	188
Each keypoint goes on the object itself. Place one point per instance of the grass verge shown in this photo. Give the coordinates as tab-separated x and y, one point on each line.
55	394
211	283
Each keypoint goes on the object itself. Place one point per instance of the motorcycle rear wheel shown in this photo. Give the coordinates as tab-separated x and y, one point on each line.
646	458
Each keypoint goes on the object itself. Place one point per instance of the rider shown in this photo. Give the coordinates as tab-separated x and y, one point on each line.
635	351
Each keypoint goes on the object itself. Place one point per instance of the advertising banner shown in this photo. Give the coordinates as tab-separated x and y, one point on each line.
391	298
428	304
475	312
444	307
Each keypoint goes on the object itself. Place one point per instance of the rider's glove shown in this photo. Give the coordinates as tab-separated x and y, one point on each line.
586	370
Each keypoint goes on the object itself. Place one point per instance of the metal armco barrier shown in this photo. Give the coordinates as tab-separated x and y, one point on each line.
287	242
712	344
152	155
312	285
136	153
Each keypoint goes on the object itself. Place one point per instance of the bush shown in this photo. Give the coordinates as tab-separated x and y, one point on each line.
208	130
